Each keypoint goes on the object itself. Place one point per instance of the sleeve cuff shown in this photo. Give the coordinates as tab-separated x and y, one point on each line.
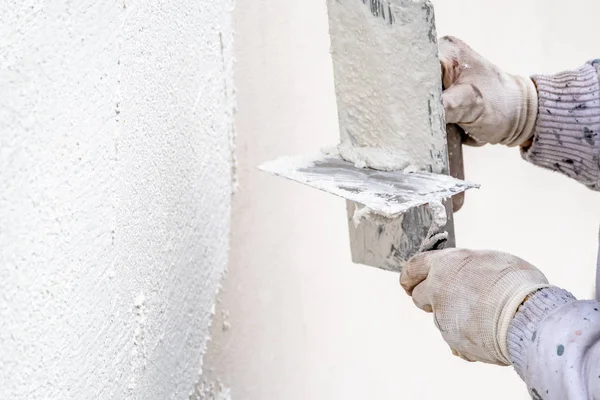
567	134
523	328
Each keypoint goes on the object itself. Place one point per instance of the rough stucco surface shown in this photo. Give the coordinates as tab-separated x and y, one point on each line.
115	163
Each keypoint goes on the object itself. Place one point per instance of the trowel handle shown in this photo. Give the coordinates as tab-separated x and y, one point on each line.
455	134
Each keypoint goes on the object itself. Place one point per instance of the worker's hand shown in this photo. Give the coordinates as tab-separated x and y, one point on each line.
473	295
489	104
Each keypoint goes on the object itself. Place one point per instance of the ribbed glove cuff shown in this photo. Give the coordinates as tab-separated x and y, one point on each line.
507	316
524	126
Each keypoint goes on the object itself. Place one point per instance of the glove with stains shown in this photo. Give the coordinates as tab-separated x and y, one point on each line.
473	296
491	105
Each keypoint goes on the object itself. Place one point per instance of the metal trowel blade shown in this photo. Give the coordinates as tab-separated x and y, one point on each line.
389	193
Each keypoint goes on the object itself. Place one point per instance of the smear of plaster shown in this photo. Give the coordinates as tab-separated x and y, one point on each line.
389	193
139	348
436	235
215	390
438	215
231	105
389	101
225	325
365	213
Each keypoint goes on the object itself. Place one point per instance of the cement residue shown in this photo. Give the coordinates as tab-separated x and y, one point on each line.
207	390
389	94
361	213
436	234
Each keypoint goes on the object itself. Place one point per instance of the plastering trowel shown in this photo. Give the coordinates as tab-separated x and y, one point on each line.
396	153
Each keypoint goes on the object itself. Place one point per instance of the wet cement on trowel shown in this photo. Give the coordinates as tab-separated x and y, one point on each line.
388	84
388	88
382	198
386	194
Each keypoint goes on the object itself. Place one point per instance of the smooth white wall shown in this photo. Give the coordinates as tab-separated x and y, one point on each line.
115	186
297	320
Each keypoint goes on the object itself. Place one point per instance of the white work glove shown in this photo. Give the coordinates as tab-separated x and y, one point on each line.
489	104
473	295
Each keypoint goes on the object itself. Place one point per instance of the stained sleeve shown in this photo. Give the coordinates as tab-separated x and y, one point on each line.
567	133
554	345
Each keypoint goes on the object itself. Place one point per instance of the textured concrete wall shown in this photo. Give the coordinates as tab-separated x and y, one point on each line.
115	176
298	320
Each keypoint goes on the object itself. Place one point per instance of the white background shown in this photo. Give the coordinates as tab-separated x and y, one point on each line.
305	323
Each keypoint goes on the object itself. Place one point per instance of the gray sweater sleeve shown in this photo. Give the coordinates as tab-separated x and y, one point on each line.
554	344
567	133
554	340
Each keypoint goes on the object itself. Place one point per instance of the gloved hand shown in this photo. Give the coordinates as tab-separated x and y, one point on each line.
473	295
489	104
